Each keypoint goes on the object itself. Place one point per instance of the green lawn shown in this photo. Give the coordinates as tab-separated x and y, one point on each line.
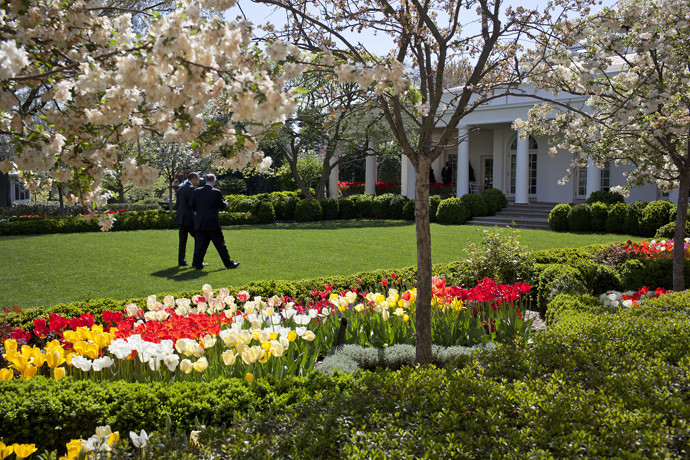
49	269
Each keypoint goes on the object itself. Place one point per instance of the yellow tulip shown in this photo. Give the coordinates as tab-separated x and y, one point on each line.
201	365
264	358
6	374
292	336
277	349
58	373
29	372
113	438
359	307
406	318
91	350
38	358
229	357
5	451
266	346
11	346
68	358
249	377
73	449
309	336
54	358
186	366
20	362
101	340
24	450
83	333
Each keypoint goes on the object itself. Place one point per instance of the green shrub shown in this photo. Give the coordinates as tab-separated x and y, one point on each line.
364	205
580	218
606	197
668	231
408	210
475	204
330	208
452	211
634	217
495	200
599	214
654	216
598	277
652	273
346	209
264	213
567	305
397	206
308	210
284	207
236	218
388	206
558	217
569	256
558	279
500	256
615	220
434	202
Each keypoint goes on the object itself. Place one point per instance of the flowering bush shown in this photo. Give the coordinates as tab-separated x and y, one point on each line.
210	335
630	299
654	249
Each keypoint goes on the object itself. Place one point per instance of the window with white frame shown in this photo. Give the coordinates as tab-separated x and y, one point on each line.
606	177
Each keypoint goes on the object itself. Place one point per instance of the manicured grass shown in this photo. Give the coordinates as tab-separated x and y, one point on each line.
44	270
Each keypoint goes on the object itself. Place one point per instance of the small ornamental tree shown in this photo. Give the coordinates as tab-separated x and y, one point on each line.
76	80
630	66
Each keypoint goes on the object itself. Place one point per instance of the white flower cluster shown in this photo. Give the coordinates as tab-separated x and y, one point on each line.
391	76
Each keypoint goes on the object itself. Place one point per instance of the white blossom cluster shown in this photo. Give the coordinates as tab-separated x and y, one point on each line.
631	69
96	84
391	75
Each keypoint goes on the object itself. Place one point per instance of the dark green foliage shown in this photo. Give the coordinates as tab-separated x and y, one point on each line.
475	204
652	273
346	209
388	206
264	213
600	212
580	218
408	210
284	206
330	208
655	215
568	256
364	205
52	209
558	279
566	305
235	218
558	217
452	211
615	221
668	231
599	278
634	216
501	257
495	200
434	202
606	197
308	210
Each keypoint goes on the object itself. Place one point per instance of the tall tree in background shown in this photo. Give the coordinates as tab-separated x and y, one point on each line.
631	65
428	36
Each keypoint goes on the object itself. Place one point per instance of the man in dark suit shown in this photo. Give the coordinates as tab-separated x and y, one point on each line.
185	215
207	201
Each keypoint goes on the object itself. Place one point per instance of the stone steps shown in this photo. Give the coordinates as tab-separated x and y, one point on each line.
534	216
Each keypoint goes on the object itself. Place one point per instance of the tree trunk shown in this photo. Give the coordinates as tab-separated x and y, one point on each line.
5	193
679	237
170	195
298	179
62	201
423	313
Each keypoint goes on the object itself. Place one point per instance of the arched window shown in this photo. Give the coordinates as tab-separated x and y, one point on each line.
533	147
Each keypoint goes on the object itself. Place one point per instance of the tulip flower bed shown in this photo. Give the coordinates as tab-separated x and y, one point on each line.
654	249
213	335
613	300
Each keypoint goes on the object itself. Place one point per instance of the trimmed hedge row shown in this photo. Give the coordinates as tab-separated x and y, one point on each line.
136	220
52	209
638	218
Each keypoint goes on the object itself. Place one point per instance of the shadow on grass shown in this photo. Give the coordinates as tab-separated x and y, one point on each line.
182	273
329	225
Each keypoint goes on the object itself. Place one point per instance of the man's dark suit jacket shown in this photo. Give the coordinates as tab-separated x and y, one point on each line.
207	201
185	213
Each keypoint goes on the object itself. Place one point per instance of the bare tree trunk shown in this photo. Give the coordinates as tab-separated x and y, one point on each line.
5	193
298	179
62	201
170	195
679	236
423	313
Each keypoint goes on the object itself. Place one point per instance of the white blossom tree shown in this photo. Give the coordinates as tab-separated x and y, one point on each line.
76	80
632	66
428	35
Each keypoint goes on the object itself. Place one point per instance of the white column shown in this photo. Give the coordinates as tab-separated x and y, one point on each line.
593	178
370	178
463	166
408	178
522	171
498	156
333	179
